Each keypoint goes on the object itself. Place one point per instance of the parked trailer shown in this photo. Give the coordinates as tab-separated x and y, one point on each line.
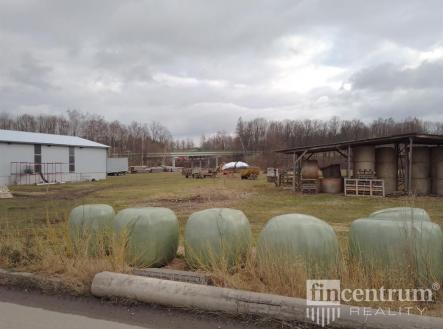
116	166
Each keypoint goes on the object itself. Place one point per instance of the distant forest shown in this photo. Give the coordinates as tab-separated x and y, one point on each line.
136	139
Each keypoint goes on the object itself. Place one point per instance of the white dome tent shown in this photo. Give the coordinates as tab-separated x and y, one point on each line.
235	165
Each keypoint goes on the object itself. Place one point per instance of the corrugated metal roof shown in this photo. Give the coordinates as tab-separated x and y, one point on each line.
425	139
23	137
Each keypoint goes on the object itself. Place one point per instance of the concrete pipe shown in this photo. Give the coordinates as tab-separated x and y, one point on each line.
332	185
437	170
195	296
438	186
386	167
420	162
421	186
364	159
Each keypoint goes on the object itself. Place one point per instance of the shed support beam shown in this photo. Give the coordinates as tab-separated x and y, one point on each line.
397	156
296	161
349	162
343	154
410	165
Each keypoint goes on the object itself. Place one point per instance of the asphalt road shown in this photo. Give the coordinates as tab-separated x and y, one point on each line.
21	309
15	316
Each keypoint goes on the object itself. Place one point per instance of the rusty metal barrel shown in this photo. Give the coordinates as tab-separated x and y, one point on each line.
310	169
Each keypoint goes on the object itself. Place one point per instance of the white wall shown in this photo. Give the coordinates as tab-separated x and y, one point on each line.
90	163
13	153
56	154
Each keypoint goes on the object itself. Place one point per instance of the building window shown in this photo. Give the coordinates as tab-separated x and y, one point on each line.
37	158
71	159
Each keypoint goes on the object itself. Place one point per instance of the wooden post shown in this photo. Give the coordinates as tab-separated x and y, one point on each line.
294	167
349	161
397	155
297	160
410	166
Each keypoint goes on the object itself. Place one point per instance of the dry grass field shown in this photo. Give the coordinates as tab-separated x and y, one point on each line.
33	235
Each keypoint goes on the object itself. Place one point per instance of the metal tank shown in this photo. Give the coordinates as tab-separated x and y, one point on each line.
331	185
310	169
421	181
364	159
437	170
386	167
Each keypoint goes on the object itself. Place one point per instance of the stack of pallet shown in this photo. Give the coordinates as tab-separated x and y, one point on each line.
364	187
285	179
310	186
138	169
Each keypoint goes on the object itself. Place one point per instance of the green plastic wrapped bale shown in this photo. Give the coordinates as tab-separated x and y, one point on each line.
150	234
216	236
398	247
402	214
90	228
296	238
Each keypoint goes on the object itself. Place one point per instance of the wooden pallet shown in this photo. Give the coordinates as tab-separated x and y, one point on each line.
364	187
284	179
310	186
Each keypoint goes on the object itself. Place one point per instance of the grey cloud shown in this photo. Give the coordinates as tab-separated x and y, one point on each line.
389	77
106	56
30	72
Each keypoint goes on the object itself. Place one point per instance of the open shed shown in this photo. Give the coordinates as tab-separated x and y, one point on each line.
416	159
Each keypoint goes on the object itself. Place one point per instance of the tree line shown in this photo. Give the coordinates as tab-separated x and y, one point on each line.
133	140
266	136
259	135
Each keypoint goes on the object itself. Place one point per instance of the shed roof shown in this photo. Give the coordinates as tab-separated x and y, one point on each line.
23	137
423	139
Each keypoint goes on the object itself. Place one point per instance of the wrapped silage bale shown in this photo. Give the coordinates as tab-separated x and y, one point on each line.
150	235
217	236
90	228
398	246
402	214
298	239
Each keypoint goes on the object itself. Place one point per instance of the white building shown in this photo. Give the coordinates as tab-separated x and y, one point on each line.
33	158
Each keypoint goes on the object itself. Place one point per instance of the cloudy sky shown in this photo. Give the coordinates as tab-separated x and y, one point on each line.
198	65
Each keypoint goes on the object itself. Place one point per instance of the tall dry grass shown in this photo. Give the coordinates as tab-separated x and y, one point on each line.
51	250
278	276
